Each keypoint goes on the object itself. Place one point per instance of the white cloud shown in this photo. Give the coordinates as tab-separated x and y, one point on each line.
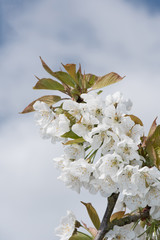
104	36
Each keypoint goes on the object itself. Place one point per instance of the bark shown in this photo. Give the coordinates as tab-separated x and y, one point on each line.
106	219
106	225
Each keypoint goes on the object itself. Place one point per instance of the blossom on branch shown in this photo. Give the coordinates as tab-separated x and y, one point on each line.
105	151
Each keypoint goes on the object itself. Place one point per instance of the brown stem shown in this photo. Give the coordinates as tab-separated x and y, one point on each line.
106	225
129	219
106	219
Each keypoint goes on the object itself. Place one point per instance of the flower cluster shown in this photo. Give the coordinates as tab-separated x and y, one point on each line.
101	150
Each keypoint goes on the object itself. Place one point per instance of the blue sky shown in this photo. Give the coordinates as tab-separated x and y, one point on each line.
104	36
152	6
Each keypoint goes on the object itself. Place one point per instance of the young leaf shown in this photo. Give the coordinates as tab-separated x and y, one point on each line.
156	144
45	66
70	134
75	91
79	75
48	83
64	78
71	69
61	76
153	128
80	236
75	141
151	153
106	80
117	215
135	119
92	214
48	99
91	230
153	146
91	79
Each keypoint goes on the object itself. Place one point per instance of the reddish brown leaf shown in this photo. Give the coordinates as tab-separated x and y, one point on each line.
48	99
71	69
153	128
106	80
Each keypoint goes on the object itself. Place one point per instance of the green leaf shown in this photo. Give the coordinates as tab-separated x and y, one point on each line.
91	79
135	119
92	214
79	76
99	92
75	141
71	118
64	78
61	76
71	69
70	134
153	146
75	91
106	80
48	83
80	236
48	99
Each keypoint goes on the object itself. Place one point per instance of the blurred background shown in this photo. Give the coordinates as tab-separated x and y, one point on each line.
119	35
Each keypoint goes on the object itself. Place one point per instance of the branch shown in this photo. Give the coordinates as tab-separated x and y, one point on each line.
107	226
106	219
129	219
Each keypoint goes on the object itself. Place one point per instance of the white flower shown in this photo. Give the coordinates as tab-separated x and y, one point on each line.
144	179
124	180
108	186
77	174
61	163
73	108
98	135
136	162
127	149
89	97
136	133
43	116
120	205
74	152
110	142
58	127
155	212
105	186
84	127
108	165
132	130
118	100
103	179
67	226
121	233
134	202
89	119
153	196
95	105
94	185
112	117
51	124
